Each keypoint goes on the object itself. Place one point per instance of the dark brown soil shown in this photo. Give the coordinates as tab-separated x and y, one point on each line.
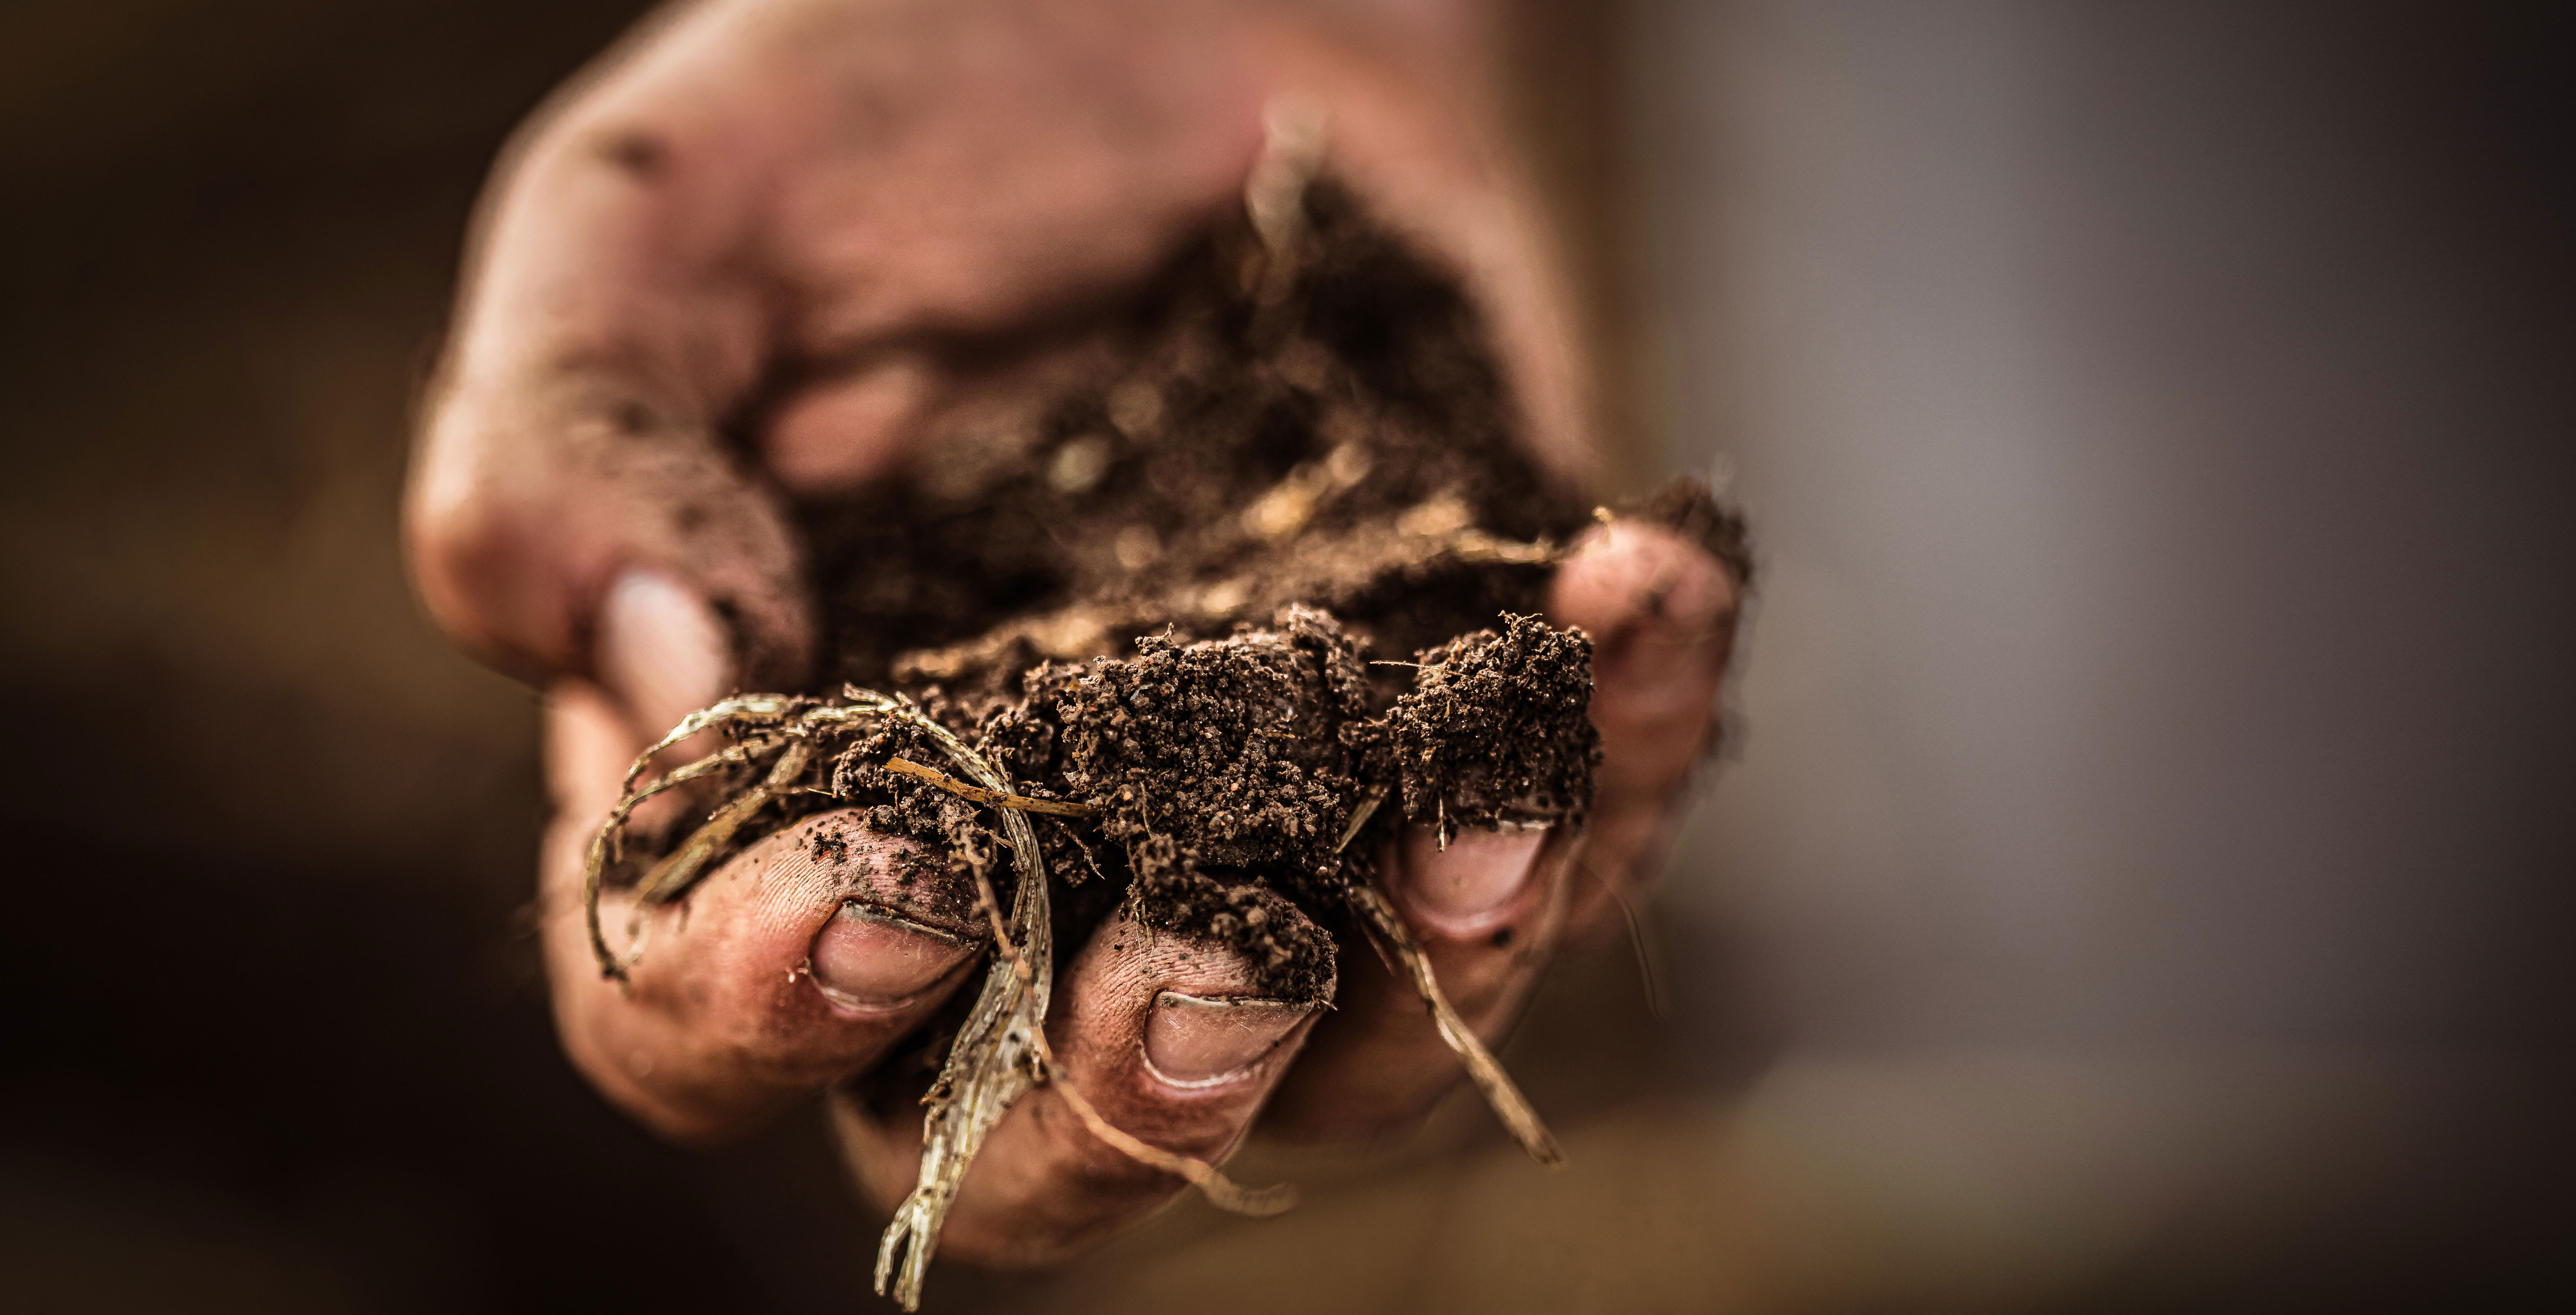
1159	594
1231	458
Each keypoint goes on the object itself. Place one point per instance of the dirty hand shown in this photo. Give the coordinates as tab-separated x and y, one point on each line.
755	254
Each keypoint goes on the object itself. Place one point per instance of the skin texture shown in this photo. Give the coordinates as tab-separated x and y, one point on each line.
760	249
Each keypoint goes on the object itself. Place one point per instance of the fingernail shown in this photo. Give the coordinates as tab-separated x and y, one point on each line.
872	960
660	648
1206	1041
1479	871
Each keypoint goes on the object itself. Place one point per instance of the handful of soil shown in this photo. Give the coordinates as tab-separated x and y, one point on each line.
1190	637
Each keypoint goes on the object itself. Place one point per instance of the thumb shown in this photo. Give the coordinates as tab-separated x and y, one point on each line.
576	506
550	541
662	650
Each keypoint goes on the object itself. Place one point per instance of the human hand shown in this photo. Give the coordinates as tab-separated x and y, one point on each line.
761	253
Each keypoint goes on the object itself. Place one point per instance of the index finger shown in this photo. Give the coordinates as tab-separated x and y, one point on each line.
752	245
572	432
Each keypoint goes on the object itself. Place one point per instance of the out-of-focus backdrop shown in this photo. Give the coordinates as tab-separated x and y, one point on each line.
2138	881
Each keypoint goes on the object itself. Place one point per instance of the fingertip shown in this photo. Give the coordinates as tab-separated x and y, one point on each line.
870	961
1471	885
1180	1036
1171	1038
796	964
1661	612
1196	1042
1629	571
1485	911
660	648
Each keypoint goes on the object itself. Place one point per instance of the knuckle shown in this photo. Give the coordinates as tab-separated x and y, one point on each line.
473	561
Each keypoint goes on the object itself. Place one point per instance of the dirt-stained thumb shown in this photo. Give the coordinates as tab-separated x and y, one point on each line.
661	650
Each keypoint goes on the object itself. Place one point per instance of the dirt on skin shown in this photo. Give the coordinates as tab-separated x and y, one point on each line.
1275	561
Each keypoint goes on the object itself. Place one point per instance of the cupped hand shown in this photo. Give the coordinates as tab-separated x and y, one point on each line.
760	252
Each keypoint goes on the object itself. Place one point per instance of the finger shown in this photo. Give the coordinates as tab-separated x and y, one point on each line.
572	439
1661	612
794	964
802	222
1491	907
1174	1040
664	651
1485	910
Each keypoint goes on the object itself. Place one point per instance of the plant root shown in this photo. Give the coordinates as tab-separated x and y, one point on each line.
1221	1191
680	871
980	795
998	1053
1384	924
1395	943
1001	1051
608	844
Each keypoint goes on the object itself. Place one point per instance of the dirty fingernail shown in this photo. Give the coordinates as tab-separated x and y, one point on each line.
1479	872
871	959
1203	1041
660	648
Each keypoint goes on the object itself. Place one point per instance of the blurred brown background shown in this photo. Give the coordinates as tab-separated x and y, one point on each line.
2141	883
